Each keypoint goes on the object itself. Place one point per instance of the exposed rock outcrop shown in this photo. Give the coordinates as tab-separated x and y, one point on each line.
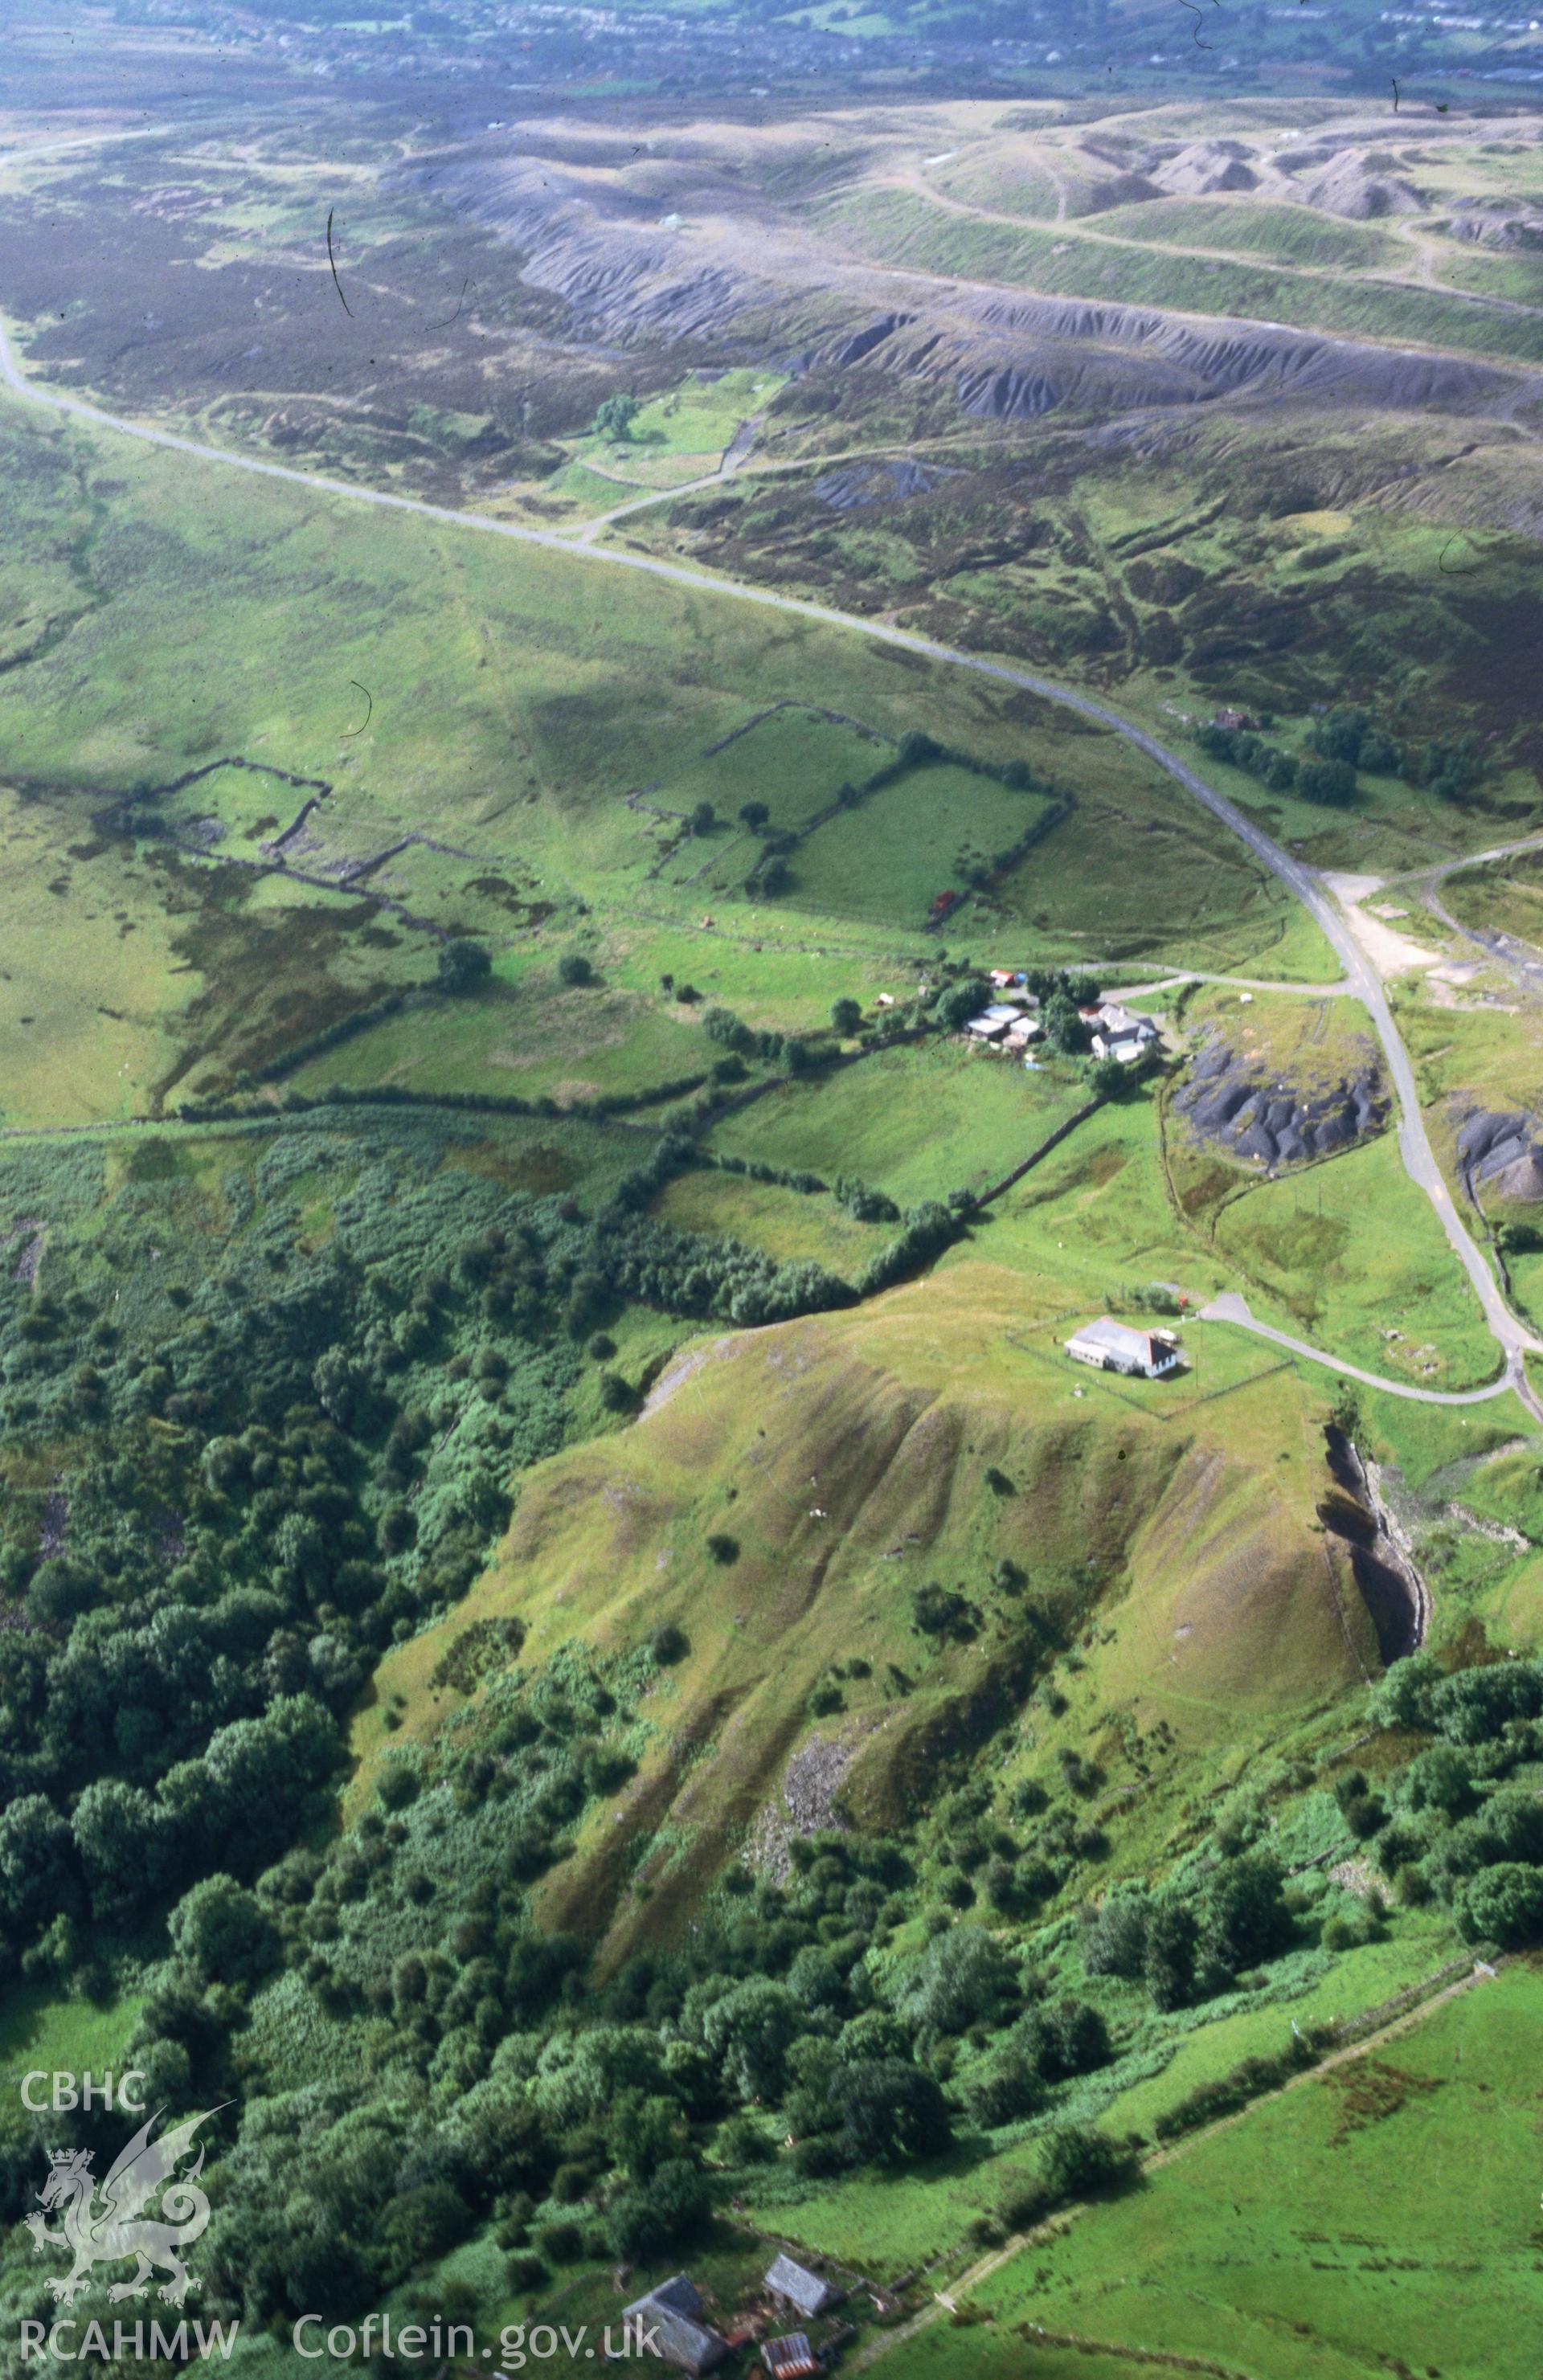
1351	185
1501	1154
1497	223
1241	1105
1201	167
859	484
1381	1558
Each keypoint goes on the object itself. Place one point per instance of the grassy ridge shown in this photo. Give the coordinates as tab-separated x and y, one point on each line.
895	228
1286	234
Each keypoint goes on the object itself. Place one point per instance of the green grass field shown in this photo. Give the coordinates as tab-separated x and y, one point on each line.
887	859
789	1225
893	2224
1006	185
1350	1255
524	1034
518	699
683	433
1506	897
793	761
73	2036
1345	2226
917	1122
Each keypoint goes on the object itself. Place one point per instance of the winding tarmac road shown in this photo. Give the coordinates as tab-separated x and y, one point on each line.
1361	982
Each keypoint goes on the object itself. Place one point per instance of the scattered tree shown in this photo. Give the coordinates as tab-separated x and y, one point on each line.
615	415
462	965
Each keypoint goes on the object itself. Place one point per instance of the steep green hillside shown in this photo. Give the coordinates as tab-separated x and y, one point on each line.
850	1460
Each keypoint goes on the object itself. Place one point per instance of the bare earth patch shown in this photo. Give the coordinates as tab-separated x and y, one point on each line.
1390	952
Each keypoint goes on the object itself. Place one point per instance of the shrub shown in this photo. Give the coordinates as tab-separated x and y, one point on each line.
224	1933
1169	1967
945	1613
574	968
669	1645
462	965
615	415
1473	1705
891	2112
1329	782
1078	2162
397	1529
1026	2204
1005	2091
1245	2081
1066	2038
741	2141
397	1785
1245	1919
962	1976
421	2224
820	2157
1503	1904
723	1548
1114	1938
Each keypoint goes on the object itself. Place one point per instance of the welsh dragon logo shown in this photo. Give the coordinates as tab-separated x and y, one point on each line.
101	2220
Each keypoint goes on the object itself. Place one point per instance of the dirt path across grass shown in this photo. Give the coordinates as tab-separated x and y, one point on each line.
947	2301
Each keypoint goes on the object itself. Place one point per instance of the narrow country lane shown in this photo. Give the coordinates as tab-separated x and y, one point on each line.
1231	1307
1361	980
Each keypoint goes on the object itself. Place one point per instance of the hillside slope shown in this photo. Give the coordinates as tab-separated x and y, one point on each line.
935	1436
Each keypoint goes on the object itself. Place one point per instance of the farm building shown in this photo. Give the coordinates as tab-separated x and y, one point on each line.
1002	1024
666	2324
791	2358
1121	1032
806	2292
1118	1347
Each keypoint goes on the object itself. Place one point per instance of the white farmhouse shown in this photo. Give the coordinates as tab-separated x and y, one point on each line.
1118	1347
